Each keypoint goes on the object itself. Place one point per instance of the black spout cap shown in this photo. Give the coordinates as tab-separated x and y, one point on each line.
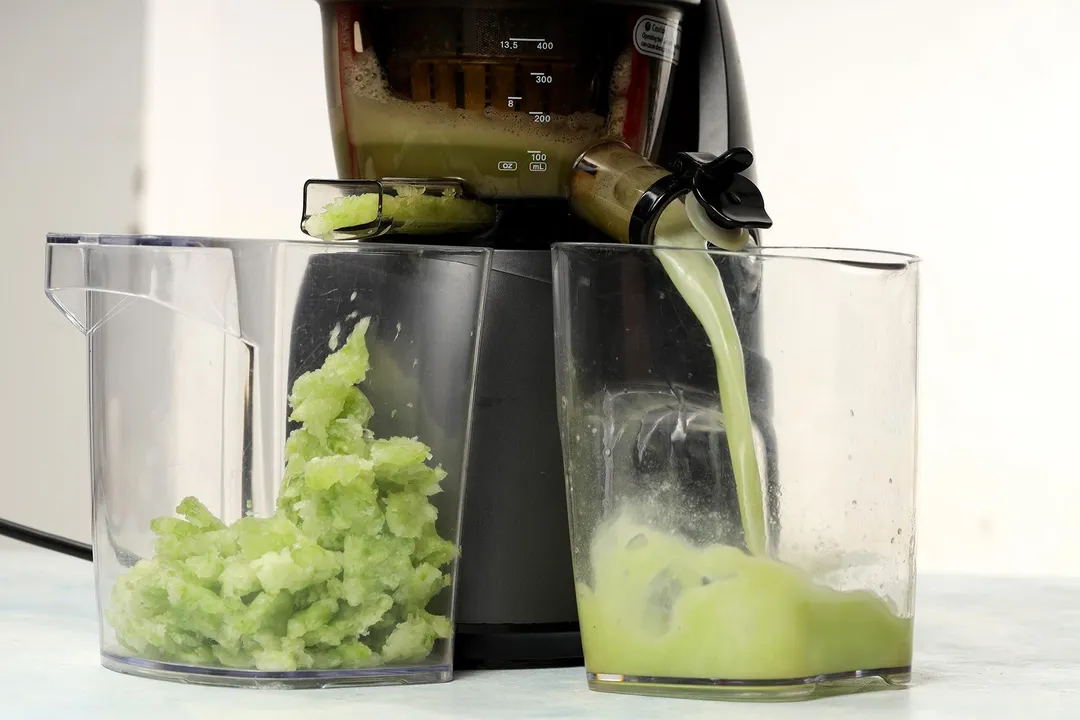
730	199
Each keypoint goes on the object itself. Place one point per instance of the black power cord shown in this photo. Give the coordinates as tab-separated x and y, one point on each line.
45	540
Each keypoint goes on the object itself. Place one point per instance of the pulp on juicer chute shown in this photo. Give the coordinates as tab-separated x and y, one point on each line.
675	595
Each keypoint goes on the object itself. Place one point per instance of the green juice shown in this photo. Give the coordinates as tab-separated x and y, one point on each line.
658	606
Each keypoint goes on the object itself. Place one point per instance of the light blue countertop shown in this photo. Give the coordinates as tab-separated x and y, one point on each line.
985	648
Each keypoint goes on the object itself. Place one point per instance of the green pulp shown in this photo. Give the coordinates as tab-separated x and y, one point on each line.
410	211
339	577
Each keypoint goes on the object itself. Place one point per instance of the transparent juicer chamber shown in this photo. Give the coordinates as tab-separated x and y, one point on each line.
503	95
320	536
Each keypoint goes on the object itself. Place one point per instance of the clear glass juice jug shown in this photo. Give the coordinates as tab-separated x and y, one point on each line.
734	538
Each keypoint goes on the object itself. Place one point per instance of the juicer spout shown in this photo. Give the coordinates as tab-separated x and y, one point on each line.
729	198
624	194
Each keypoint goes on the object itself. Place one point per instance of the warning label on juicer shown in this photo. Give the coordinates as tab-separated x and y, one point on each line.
658	38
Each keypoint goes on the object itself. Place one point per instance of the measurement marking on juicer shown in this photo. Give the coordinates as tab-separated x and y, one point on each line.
540	43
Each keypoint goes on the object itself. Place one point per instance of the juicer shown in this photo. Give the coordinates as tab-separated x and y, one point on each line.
516	105
504	101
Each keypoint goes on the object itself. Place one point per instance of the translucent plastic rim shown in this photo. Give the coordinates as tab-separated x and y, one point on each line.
875	259
195	241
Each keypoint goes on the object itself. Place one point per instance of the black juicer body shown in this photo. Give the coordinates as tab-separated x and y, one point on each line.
515	587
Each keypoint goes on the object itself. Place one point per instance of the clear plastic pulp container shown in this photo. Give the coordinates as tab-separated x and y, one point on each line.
278	442
739	433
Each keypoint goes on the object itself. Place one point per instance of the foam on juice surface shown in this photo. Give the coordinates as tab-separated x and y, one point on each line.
391	136
658	606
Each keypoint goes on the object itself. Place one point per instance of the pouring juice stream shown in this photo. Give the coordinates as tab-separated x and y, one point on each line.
698	281
658	606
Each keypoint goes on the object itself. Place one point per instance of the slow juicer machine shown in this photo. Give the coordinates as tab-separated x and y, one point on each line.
500	99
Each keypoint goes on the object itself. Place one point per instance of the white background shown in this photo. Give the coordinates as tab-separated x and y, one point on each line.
70	111
945	129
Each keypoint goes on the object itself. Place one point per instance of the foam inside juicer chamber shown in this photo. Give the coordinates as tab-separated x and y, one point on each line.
340	576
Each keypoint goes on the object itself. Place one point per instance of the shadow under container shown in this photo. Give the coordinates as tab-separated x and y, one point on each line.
785	574
276	499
